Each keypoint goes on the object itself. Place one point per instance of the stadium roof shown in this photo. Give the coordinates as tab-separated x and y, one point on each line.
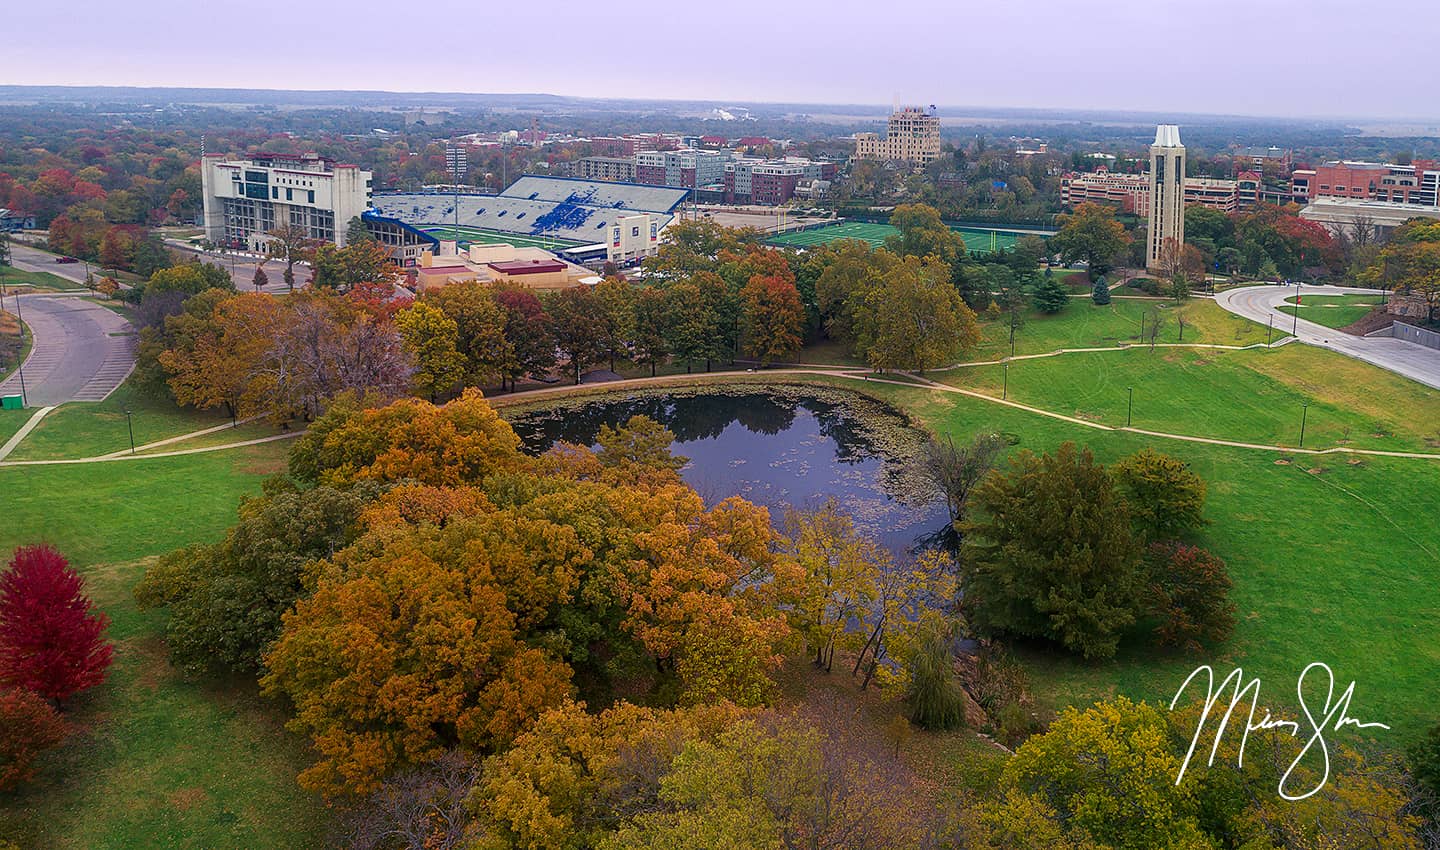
558	207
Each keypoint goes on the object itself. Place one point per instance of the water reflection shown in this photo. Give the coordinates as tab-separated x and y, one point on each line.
774	447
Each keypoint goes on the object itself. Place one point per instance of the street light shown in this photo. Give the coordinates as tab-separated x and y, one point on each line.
20	317
1129	404
130	426
1304	414
1295	331
1005	388
1270	330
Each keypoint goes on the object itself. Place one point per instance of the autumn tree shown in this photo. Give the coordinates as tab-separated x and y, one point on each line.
52	641
28	726
913	319
1051	553
479	330
341	268
432	340
617	304
650	346
1166	498
922	235
773	318
1189	593
214	362
578	325
289	244
1091	234
260	280
955	469
841	572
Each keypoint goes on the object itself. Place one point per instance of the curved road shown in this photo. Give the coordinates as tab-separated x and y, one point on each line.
82	351
1258	303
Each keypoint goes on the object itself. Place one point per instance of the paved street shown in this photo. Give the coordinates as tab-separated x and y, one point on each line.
29	259
242	268
82	350
1415	362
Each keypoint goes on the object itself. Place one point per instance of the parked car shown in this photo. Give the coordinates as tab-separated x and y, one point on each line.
66	260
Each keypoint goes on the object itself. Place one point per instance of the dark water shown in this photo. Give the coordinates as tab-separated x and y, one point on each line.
786	446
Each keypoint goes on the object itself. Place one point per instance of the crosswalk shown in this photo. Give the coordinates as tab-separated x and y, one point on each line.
119	362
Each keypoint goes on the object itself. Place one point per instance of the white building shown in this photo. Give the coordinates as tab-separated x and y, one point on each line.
913	135
244	199
1167	194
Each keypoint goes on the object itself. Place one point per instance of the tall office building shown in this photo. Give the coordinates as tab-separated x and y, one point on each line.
913	135
245	199
1167	194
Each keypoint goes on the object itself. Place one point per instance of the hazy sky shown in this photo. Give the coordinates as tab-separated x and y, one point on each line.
1254	57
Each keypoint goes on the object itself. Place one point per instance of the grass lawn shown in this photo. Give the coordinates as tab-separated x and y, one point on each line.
1333	563
1083	324
1252	396
89	429
156	761
1333	311
39	281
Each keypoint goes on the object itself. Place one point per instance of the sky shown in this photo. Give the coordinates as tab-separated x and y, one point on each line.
1278	58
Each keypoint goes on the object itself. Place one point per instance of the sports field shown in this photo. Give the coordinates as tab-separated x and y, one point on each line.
480	236
975	240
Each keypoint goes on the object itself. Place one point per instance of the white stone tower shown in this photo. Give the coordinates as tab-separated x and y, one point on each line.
1167	194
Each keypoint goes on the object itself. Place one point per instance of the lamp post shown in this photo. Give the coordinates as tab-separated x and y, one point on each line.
1295	329
19	317
1270	330
130	426
1129	404
1304	414
1005	387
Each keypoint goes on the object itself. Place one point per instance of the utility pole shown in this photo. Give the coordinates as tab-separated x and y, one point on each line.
1304	413
130	426
1005	387
1129	404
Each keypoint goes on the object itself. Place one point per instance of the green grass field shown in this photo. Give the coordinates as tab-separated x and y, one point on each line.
1332	561
90	429
1333	311
976	241
480	236
156	760
1083	324
38	281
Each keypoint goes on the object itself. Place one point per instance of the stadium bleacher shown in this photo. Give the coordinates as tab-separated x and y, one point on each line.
535	205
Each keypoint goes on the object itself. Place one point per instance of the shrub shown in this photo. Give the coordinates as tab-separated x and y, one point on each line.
28	726
51	640
937	701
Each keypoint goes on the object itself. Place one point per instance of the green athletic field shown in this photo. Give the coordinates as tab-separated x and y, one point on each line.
480	236
975	240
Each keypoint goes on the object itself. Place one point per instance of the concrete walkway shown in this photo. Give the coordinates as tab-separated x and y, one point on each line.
1259	303
24	432
81	352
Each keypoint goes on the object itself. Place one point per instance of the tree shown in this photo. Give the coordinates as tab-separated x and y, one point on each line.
577	323
773	319
260	280
1050	296
954	470
936	697
341	268
922	235
214	362
1092	234
1165	497
479	327
617	302
651	342
290	244
1052	554
1189	592
841	571
1423	759
432	339
28	726
225	599
913	319
1100	292
356	231
527	330
188	278
52	641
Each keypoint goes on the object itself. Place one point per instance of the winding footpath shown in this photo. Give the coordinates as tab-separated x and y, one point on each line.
1259	303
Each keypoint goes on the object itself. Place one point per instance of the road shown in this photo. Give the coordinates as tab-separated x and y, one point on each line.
242	267
1258	303
29	259
82	351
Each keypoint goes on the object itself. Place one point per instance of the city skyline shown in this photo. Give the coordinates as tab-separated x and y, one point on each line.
1045	55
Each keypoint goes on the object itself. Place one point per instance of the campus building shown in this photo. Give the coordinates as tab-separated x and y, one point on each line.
772	182
611	169
913	135
1130	193
1415	185
686	167
1167	194
245	199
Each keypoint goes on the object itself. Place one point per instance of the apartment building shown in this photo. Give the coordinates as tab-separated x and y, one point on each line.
612	169
245	199
1417	184
771	182
685	168
912	135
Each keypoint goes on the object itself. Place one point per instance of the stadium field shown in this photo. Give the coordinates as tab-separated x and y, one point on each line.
467	236
978	241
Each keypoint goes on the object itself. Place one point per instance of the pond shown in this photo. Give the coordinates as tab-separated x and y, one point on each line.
776	446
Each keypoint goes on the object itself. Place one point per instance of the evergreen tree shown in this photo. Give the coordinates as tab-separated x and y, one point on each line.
1050	296
1100	294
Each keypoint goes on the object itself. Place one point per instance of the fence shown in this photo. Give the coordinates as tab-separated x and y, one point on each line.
1420	336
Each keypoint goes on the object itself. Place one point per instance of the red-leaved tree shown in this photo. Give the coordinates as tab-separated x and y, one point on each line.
51	639
28	726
